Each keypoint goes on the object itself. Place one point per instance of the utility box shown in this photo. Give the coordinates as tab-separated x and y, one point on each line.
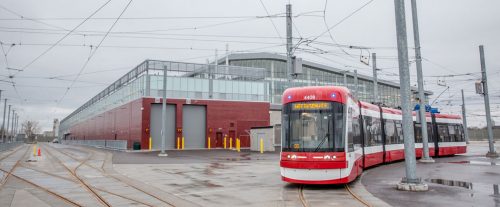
266	134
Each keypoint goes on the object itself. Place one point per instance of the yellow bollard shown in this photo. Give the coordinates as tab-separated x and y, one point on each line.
208	142
178	142
150	143
238	144
230	143
261	145
224	143
34	150
182	142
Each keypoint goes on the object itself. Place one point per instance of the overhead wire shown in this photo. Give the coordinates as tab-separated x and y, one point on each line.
95	50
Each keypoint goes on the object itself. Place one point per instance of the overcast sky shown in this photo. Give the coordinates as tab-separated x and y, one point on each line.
191	30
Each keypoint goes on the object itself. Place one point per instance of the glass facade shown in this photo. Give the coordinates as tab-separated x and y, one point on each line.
314	76
256	79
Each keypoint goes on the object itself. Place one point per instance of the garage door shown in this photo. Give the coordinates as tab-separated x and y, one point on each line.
194	126
156	126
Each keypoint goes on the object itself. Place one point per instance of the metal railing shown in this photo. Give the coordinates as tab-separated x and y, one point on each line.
107	144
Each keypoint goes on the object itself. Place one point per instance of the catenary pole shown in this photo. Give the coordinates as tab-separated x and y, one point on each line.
420	80
466	131
164	115
491	152
375	80
410	182
289	43
7	128
345	79
356	84
13	122
3	122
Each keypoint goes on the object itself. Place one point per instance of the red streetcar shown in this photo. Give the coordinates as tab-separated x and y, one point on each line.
328	137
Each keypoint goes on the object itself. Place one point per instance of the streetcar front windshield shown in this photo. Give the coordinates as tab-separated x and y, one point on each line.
312	127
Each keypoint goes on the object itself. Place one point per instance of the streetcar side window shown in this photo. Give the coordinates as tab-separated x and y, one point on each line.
452	132
443	133
372	129
460	132
356	126
399	131
350	136
418	133
389	131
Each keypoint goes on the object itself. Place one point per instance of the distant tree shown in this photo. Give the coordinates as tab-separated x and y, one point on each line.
30	128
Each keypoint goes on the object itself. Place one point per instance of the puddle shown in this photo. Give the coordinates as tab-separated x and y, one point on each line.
472	162
478	188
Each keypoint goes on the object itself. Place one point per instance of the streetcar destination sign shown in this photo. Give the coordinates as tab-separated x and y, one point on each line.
310	106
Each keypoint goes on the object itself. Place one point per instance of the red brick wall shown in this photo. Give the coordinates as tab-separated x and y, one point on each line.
131	121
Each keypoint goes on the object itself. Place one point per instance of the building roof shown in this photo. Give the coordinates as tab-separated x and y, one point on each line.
278	57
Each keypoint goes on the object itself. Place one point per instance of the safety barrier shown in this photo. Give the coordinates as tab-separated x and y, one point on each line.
108	144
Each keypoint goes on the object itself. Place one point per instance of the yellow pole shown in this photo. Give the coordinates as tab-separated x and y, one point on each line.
178	143
208	142
224	142
261	145
238	144
230	143
34	150
182	142
150	143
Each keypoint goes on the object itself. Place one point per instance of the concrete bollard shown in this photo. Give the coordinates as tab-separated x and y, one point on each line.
261	145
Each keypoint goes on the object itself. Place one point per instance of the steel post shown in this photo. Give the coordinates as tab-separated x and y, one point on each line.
7	128
356	88
491	152
345	79
3	122
12	126
420	80
375	80
404	79
289	43
464	116
164	114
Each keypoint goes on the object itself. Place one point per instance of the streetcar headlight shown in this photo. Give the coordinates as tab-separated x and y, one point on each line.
294	157
326	157
334	157
288	156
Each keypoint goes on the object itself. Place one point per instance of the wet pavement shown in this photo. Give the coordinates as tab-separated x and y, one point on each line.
462	180
95	177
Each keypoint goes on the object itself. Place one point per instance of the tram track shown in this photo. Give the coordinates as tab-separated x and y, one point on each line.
101	169
9	173
303	201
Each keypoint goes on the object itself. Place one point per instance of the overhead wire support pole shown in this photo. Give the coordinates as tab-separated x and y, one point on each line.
420	80
491	152
356	84
164	114
13	122
410	182
7	128
375	80
3	122
466	131
289	43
